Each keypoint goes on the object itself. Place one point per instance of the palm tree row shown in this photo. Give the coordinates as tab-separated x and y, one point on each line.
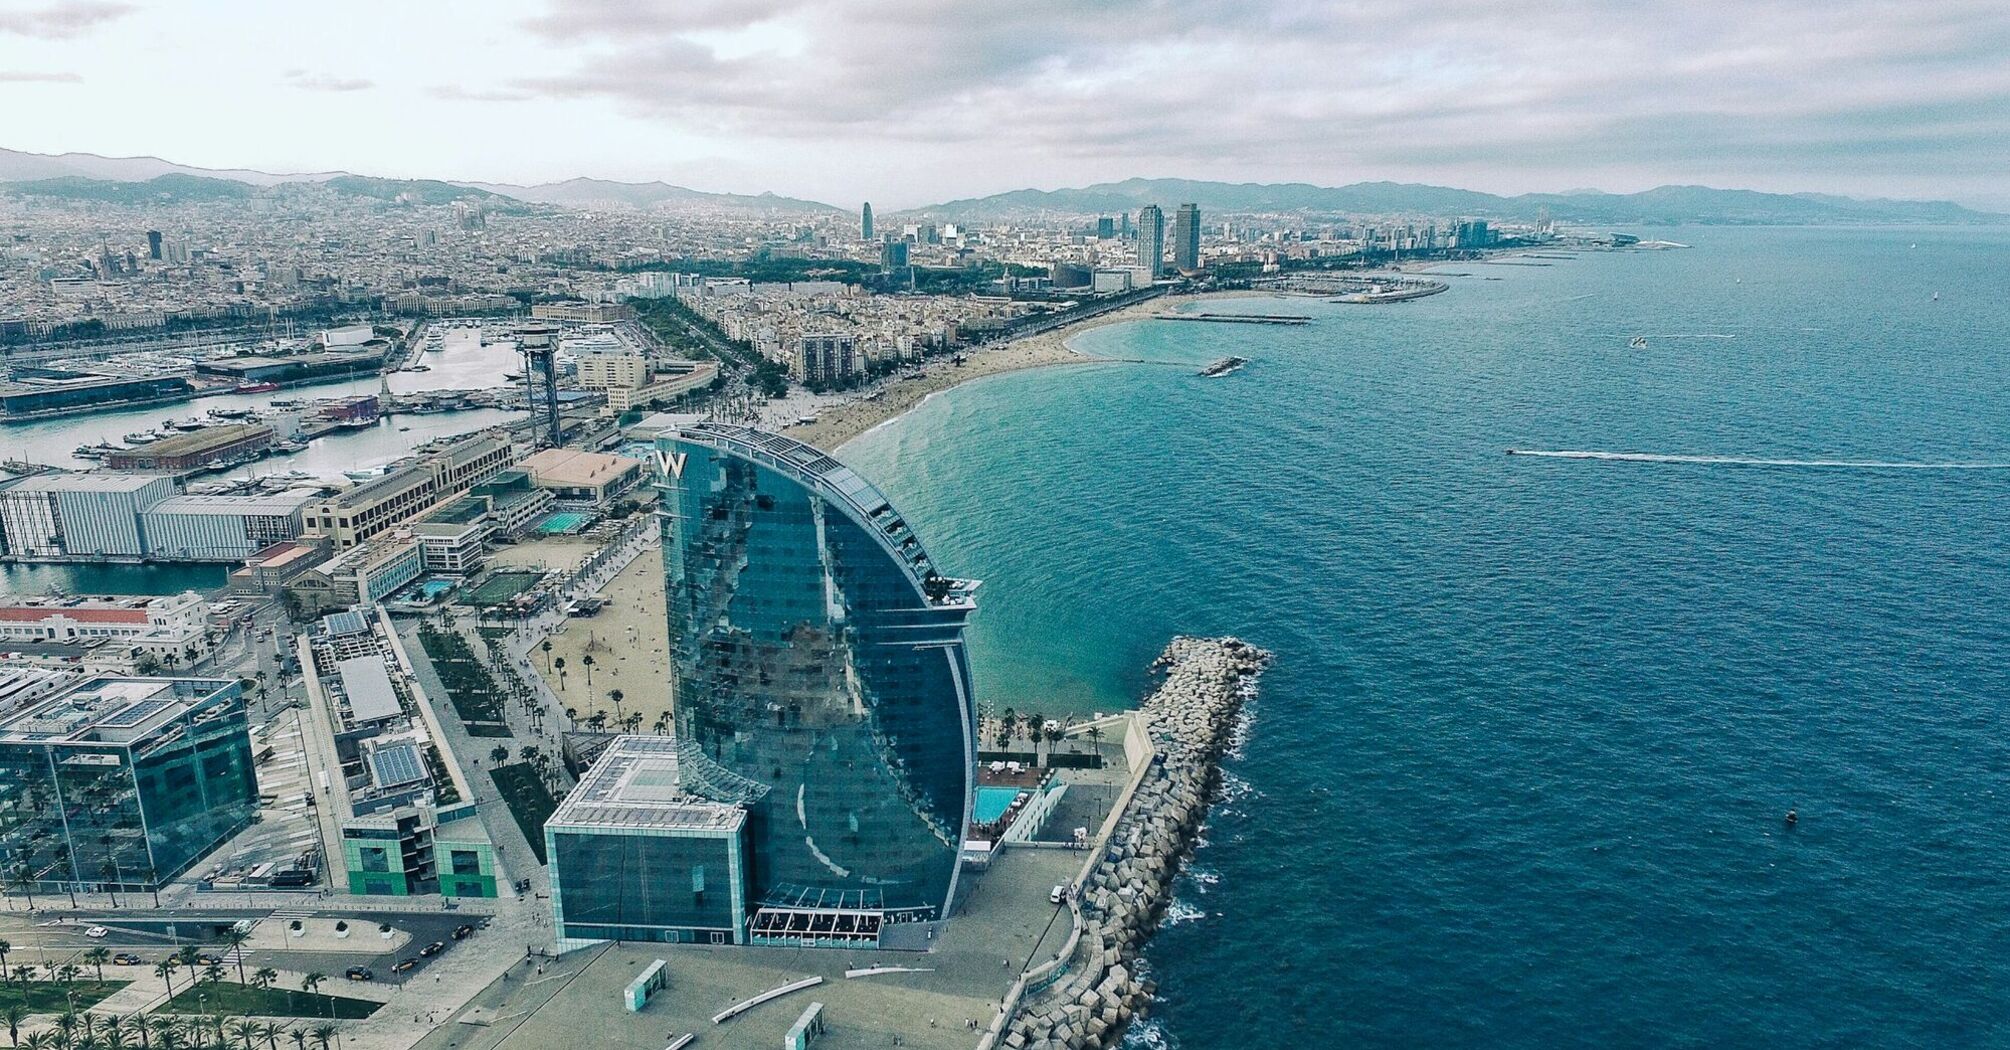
89	1031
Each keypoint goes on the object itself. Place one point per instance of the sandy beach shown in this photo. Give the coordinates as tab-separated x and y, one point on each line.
839	423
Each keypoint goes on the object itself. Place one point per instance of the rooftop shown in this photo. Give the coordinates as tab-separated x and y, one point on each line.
276	506
571	466
108	710
95	481
635	784
202	440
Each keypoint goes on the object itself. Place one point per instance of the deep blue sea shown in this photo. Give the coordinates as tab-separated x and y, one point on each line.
1518	776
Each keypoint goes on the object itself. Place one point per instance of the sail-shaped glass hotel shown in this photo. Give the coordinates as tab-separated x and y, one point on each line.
820	683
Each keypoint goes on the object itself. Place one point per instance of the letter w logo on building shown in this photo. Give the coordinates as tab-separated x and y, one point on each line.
671	463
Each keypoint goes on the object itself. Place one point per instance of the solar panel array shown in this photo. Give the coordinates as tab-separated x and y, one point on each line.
397	764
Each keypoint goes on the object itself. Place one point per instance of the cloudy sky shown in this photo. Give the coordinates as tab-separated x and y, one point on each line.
906	102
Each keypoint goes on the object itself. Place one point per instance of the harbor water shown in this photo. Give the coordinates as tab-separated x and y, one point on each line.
462	364
1519	775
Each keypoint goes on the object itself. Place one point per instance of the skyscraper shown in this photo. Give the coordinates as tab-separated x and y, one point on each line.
820	682
865	223
154	245
1151	239
1186	238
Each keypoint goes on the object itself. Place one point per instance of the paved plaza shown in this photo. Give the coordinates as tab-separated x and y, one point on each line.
1005	918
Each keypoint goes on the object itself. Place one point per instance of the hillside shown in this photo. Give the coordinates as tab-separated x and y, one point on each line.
170	188
602	193
1663	205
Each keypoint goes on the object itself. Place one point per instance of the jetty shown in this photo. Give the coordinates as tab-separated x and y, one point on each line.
1290	319
1222	367
1087	995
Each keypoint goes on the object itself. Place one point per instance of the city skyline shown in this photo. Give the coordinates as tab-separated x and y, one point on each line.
880	101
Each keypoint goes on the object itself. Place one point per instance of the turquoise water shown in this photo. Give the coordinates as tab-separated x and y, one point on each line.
564	522
1518	776
432	589
111	579
991	803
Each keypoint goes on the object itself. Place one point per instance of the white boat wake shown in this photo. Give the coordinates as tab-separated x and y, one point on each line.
1744	461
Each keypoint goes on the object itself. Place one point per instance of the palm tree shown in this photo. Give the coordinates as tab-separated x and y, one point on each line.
269	1031
500	754
115	1036
24	877
66	1027
40	1041
167	1035
546	647
213	973
559	666
68	973
263	977
323	1035
165	971
4	949
235	937
617	696
98	957
14	1015
247	1032
587	662
299	1037
141	1025
313	981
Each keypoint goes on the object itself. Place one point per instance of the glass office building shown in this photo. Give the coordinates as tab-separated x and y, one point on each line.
820	682
122	784
633	856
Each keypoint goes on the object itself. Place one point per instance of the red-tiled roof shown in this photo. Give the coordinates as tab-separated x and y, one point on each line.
32	614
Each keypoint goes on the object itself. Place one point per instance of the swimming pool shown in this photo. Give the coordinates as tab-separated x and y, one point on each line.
992	802
432	589
564	523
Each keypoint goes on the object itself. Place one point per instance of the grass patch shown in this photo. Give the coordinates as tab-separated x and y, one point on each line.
529	801
499	588
53	997
241	1000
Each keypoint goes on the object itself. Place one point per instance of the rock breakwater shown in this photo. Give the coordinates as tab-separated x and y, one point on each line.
1088	997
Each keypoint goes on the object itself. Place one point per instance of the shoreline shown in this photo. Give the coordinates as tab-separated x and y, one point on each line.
841	423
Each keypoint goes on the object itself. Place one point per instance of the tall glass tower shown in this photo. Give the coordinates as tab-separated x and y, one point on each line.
820	681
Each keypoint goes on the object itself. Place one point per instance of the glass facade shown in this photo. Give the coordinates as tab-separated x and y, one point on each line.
123	784
818	673
645	886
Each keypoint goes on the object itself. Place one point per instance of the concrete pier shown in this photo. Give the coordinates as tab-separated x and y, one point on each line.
1087	996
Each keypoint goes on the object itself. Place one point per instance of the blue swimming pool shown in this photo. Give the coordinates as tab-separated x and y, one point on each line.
992	802
432	589
564	523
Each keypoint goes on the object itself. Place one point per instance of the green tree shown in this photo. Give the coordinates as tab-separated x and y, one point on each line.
235	937
98	957
14	1015
165	971
264	977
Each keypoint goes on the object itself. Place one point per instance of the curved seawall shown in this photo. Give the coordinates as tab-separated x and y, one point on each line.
1088	996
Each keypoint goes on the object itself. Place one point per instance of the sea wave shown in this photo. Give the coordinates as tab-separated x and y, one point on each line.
1749	461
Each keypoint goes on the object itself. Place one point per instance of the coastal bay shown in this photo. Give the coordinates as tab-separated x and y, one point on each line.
1534	722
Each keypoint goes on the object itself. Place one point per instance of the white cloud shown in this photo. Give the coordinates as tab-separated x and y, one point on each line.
61	21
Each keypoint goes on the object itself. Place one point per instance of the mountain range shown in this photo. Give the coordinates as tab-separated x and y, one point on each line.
86	176
1664	205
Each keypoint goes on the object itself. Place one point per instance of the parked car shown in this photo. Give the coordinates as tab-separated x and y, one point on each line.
206	959
1060	894
127	959
433	949
404	964
358	973
461	932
